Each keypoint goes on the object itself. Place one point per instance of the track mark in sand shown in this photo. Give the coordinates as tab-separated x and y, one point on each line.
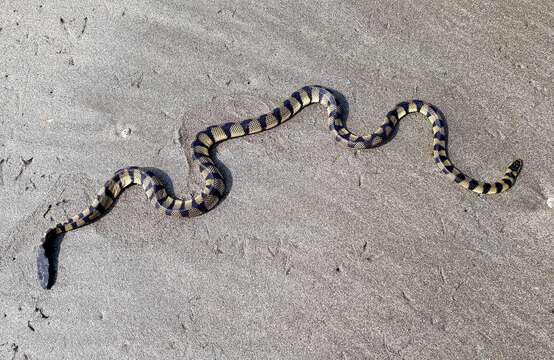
443	276
41	313
30	326
47	210
367	255
137	82
407	297
84	27
15	349
33	185
26	163
64	23
288	267
244	247
216	248
456	288
2	161
282	257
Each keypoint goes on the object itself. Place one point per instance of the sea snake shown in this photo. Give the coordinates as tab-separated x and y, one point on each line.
214	184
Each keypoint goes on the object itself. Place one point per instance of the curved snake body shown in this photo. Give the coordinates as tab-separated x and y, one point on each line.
214	184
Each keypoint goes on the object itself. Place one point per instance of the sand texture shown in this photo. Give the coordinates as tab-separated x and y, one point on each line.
318	251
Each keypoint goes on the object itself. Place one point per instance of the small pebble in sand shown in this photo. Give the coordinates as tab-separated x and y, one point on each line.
550	202
125	132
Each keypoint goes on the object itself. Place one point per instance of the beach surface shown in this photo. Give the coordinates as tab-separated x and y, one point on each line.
318	251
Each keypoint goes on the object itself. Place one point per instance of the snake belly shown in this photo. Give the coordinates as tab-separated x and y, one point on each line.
214	184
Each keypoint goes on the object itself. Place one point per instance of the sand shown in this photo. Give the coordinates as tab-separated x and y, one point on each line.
318	252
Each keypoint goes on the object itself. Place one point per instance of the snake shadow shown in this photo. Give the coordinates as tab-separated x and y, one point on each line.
47	259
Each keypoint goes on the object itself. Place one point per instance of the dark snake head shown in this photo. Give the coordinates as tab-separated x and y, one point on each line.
43	259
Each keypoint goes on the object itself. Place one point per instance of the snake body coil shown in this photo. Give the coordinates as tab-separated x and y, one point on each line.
214	184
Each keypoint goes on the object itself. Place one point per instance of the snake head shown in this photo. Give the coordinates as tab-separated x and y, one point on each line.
43	261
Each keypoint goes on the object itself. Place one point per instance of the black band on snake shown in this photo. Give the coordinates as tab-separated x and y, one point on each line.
214	184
